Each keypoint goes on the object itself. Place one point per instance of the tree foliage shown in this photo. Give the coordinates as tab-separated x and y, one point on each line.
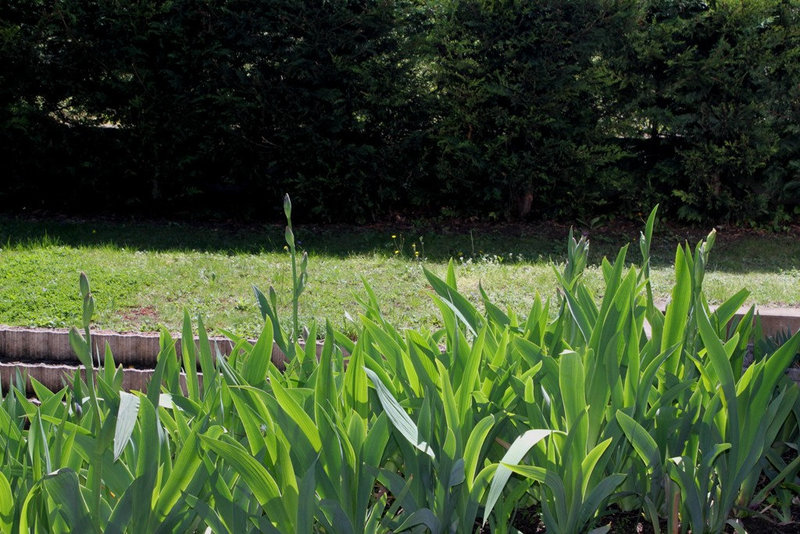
711	91
362	108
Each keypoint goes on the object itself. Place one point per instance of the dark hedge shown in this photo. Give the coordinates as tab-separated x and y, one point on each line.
568	109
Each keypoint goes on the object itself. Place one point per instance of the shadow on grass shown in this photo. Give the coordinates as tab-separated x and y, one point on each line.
736	251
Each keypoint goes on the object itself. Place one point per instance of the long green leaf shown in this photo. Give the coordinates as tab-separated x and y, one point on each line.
307	499
475	443
164	361
465	311
24	516
126	421
210	373
269	311
677	310
681	470
598	494
183	471
398	416
325	391
722	366
513	456
255	367
546	477
589	463
63	488
725	312
296	413
578	311
148	461
776	365
258	480
470	374
422	517
643	443
572	382
356	396
189	357
6	504
253	420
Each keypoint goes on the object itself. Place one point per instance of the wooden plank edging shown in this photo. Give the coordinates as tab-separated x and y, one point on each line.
46	355
52	345
56	376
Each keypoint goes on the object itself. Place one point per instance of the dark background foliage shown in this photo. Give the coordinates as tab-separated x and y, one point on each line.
361	109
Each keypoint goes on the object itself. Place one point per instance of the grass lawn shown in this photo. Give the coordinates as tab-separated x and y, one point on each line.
146	274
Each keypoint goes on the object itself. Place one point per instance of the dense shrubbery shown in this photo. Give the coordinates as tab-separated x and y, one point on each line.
519	107
547	109
712	95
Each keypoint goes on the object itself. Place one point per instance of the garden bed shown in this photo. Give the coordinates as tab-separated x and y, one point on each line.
573	418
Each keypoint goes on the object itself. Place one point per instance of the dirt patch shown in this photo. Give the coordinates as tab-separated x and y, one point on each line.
634	522
140	315
758	525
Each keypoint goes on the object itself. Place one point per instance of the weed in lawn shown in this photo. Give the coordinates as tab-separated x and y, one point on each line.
397	245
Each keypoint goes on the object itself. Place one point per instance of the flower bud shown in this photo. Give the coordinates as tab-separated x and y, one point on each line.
287	207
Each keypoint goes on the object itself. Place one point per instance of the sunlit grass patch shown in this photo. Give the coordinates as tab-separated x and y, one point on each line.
146	274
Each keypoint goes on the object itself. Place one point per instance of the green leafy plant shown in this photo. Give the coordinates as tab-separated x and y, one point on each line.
565	412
